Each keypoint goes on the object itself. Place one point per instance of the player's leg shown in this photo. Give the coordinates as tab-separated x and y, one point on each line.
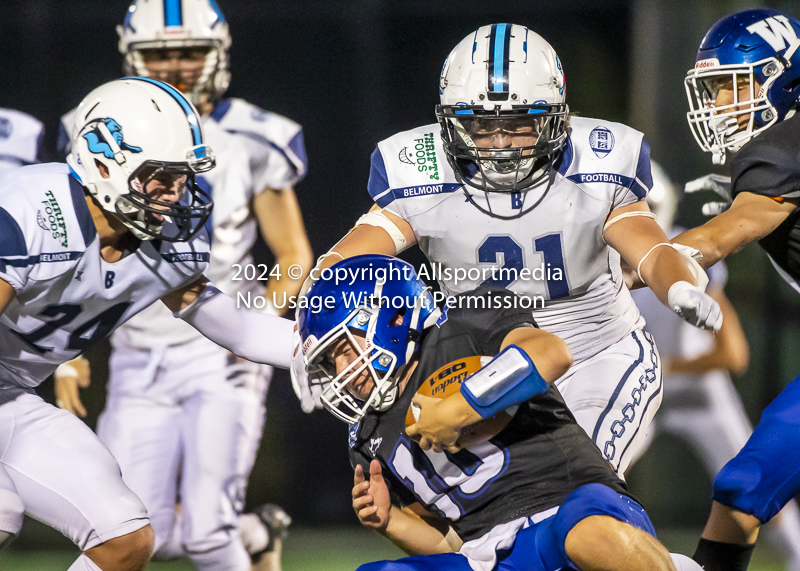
596	529
442	562
67	479
754	485
263	532
708	413
141	427
615	394
12	510
221	425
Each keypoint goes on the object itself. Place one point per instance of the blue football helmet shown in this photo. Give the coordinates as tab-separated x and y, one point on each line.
379	298
753	56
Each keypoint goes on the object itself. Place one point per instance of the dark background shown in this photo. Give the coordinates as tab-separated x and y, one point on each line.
355	72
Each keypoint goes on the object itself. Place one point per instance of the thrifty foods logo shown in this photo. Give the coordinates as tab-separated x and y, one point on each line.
601	140
425	156
55	219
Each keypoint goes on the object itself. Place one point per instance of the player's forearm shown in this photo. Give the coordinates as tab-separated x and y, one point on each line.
251	335
363	239
712	249
415	536
7	293
663	268
290	271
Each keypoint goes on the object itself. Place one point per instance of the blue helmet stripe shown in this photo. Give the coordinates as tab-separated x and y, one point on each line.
191	116
498	57
173	13
220	18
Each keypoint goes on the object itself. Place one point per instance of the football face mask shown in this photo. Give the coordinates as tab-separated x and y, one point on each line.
724	118
165	202
355	374
502	151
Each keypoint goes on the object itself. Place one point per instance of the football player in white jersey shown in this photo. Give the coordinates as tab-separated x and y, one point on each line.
184	417
129	219
20	139
508	181
701	405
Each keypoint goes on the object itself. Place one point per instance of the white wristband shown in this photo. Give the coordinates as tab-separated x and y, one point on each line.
65	370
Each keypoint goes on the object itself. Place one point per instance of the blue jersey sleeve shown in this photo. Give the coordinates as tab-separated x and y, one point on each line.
378	184
637	187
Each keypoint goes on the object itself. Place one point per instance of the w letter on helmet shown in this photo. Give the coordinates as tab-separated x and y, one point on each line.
776	31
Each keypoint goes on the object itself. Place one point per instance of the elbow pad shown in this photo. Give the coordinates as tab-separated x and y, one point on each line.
509	379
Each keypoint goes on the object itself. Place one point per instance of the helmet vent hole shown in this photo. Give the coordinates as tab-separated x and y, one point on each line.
792	85
155	105
104	172
398	318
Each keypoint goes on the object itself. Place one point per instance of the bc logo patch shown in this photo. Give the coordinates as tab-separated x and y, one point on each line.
99	146
601	140
5	128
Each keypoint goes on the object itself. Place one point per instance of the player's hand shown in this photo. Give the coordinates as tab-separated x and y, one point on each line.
719	184
69	378
694	306
308	393
371	500
436	427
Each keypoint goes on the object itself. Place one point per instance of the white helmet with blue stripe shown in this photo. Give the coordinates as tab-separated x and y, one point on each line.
503	108
129	136
179	24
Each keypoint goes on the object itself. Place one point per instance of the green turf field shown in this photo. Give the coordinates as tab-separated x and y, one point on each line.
333	550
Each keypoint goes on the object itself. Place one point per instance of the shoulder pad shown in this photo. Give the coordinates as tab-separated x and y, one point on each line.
65	132
237	116
770	163
415	166
20	138
51	221
606	153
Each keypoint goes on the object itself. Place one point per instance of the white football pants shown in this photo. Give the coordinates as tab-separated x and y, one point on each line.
63	475
615	394
184	423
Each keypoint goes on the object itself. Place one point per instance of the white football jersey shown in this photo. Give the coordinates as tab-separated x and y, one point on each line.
556	249
255	149
20	139
67	296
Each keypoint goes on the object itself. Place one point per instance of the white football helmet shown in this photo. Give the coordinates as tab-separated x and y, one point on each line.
179	24
139	130
662	198
503	111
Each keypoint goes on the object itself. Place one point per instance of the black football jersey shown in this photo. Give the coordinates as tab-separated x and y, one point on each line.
537	460
770	165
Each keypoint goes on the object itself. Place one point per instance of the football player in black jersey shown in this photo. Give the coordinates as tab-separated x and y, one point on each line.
498	473
744	93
